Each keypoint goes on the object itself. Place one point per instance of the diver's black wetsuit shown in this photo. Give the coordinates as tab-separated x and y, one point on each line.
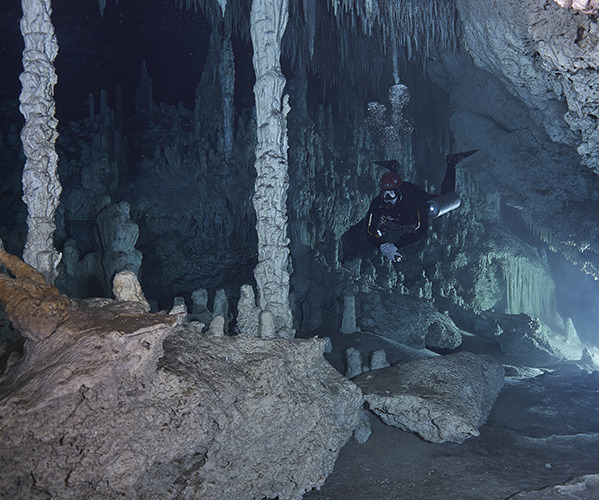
401	223
406	221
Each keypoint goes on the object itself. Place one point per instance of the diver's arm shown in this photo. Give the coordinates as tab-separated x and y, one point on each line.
373	218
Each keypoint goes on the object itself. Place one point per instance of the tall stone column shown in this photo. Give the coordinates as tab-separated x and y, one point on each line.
227	81
41	187
268	22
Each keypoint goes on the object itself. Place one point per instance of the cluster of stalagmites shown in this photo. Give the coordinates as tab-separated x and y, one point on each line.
109	400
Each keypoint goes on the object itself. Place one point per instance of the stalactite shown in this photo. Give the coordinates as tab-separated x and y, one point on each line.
413	24
102	5
268	23
310	20
234	12
41	186
540	231
336	39
396	79
143	99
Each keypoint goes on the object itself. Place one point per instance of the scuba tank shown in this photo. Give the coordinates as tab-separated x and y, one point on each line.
442	204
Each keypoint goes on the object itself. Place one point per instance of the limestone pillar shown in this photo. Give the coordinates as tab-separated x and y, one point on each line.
268	21
41	187
227	82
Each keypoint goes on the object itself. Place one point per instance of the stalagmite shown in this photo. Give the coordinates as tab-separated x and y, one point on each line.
354	363
268	22
179	307
266	327
199	308
221	307
126	287
348	324
217	327
41	186
379	360
247	312
118	234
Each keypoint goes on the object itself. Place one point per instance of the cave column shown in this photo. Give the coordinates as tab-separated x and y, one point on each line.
227	80
41	186
268	22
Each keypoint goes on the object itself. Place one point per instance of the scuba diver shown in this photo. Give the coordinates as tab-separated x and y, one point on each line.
399	215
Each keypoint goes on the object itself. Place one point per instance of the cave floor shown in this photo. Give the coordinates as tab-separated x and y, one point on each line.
542	431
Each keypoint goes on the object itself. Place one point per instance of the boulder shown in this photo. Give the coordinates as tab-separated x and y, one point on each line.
409	320
109	401
216	417
525	340
580	487
445	398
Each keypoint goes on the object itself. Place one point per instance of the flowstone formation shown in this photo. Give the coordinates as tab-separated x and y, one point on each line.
545	55
109	400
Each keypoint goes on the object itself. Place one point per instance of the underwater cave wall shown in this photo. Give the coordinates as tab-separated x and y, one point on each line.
190	195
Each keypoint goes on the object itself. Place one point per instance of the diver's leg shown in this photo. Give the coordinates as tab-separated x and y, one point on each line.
449	181
452	160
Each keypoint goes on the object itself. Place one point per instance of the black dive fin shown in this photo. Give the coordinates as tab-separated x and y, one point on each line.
392	165
456	157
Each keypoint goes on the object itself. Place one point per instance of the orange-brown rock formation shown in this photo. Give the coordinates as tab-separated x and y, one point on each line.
38	309
34	307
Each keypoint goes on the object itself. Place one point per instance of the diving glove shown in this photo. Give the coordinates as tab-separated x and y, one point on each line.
389	250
